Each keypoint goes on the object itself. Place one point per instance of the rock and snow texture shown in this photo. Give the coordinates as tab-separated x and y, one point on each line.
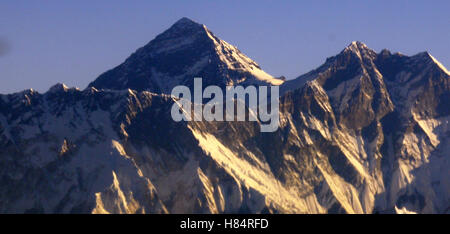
390	114
365	132
184	51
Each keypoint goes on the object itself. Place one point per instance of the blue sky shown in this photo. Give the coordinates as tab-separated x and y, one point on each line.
45	42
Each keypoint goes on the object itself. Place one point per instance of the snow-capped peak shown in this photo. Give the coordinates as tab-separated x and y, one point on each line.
185	23
184	27
356	45
184	51
360	50
185	20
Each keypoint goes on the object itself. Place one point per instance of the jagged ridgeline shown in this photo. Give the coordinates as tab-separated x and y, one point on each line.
365	132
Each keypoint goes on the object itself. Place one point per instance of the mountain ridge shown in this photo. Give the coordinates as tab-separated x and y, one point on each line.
365	132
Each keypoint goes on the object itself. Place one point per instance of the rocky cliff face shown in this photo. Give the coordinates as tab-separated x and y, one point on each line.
365	132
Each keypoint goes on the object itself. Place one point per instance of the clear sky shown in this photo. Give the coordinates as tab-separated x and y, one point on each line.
45	42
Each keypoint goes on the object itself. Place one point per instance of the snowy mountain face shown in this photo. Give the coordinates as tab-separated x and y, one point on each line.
388	116
365	132
175	57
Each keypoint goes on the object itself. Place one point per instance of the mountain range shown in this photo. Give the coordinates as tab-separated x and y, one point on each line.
365	132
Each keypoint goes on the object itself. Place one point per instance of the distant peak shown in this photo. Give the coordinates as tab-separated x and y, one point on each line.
426	54
356	45
28	91
385	52
426	57
58	88
360	49
185	20
186	23
184	27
